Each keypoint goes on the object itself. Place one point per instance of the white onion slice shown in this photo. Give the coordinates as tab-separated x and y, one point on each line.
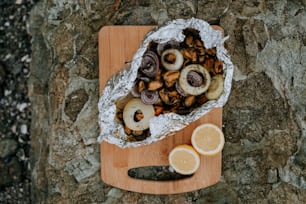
179	60
129	112
194	90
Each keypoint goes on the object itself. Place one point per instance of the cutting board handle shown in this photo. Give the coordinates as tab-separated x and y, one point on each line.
116	162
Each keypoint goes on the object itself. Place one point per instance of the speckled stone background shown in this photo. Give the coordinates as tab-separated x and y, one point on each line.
264	159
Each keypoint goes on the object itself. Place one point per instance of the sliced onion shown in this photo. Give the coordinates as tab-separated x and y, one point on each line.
149	97
150	64
176	65
187	87
180	90
145	79
194	79
163	46
135	91
129	111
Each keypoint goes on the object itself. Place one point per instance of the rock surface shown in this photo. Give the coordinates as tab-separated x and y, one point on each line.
264	120
15	112
7	147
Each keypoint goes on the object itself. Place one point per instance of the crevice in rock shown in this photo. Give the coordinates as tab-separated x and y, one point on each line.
74	103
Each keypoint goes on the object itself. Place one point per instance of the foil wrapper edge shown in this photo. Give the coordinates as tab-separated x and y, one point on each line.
120	84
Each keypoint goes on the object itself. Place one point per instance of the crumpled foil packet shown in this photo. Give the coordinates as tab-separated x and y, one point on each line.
120	85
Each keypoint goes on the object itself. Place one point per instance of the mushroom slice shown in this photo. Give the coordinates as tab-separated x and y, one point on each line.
158	110
141	86
189	41
163	94
189	88
171	77
172	59
129	111
189	100
198	43
218	67
127	130
154	85
190	54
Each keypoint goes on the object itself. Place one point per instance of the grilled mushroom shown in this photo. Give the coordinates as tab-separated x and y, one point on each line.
171	77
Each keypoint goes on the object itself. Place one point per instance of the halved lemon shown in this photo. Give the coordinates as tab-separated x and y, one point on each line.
184	159
207	139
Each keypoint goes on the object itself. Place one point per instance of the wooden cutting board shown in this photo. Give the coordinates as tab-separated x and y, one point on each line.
117	44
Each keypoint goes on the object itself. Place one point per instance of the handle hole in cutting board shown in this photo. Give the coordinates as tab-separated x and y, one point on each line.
156	173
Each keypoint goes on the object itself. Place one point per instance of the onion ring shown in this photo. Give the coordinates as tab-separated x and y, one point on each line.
150	64
194	78
129	110
188	88
178	61
135	91
180	90
216	87
163	46
149	97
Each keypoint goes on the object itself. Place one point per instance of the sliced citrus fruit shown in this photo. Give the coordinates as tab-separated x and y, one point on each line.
184	159
207	139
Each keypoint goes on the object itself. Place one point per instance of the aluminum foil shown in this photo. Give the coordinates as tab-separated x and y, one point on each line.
120	85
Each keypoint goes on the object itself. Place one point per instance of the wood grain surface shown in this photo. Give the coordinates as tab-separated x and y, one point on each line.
118	44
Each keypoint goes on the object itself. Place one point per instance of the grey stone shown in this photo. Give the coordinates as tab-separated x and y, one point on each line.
251	115
24	129
7	147
75	102
272	176
300	158
17	68
212	195
180	9
114	196
160	16
263	120
294	178
22	106
204	10
2	73
10	172
82	168
278	153
285	193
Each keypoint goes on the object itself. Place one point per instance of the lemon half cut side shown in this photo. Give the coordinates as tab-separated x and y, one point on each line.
184	159
207	139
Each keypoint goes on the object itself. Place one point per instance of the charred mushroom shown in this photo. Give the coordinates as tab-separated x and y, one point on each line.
171	77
